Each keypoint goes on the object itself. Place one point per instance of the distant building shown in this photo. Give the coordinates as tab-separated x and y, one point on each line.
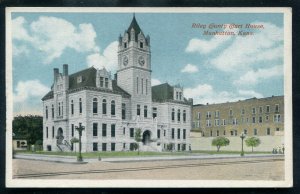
111	109
263	118
19	142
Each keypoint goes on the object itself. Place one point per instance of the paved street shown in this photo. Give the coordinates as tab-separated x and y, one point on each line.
255	168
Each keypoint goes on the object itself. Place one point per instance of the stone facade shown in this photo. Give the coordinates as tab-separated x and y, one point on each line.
112	109
253	117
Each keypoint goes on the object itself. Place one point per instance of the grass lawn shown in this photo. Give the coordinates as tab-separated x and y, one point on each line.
134	153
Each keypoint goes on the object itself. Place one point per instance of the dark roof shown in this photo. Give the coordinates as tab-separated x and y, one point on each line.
48	95
88	83
134	25
162	92
88	78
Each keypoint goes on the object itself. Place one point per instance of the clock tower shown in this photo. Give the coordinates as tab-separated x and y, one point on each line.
134	68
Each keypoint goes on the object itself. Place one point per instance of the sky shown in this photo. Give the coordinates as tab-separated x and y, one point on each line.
211	68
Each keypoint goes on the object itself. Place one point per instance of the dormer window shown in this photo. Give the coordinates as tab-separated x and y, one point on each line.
101	82
141	45
125	45
106	82
79	79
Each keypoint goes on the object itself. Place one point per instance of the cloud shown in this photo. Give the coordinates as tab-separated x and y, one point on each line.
206	46
247	51
25	90
189	68
108	59
52	35
155	82
253	77
19	50
205	93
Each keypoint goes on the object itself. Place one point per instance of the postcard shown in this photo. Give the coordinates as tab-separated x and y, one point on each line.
149	97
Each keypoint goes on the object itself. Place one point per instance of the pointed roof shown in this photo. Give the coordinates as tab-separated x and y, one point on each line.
134	25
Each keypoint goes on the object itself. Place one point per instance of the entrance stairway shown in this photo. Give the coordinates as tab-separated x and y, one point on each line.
150	148
64	147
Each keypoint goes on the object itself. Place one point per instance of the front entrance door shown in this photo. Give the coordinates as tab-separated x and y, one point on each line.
59	136
146	137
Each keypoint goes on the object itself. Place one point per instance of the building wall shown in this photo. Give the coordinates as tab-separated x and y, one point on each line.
242	112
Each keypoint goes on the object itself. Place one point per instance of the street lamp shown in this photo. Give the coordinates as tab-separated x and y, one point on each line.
242	137
79	129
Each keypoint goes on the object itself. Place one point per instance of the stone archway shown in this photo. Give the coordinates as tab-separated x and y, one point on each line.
59	136
146	137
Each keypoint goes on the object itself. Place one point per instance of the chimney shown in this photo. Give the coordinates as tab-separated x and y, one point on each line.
65	70
56	72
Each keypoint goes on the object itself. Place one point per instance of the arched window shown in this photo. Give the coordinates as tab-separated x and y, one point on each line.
184	115
103	106
59	109
52	111
113	108
178	115
46	112
80	106
95	106
173	114
72	107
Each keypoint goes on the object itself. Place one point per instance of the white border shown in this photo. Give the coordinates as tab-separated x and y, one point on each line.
288	182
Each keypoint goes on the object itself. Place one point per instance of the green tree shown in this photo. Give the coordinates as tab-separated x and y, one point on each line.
252	142
138	138
74	140
29	127
219	142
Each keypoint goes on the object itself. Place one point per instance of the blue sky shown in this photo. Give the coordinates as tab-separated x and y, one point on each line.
212	69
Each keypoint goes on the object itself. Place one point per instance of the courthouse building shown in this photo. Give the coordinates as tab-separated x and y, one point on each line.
262	117
112	108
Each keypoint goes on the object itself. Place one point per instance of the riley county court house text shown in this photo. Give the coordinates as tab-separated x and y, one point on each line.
112	109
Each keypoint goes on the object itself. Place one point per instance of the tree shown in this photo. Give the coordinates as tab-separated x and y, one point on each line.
29	127
74	140
138	138
252	142
219	142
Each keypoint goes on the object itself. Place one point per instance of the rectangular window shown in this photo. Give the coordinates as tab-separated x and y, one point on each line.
106	82
199	116
146	86
217	114
53	111
253	110
208	115
184	134
235	132
277	118
138	110
154	112
113	130
52	132
230	112
47	132
164	133
104	130
268	131
158	133
234	121
141	45
267	109
124	130
104	147
95	146
173	133
224	132
276	108
101	82
95	129
72	128
224	122
217	132
211	133
243	111
124	146
260	119
178	133
253	119
113	147
123	111
217	122
137	85
231	133
142	84
178	147
125	45
145	111
267	118
277	129
208	123
255	132
131	146
245	131
260	109
132	132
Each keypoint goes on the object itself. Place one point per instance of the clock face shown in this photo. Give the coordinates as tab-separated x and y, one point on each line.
141	60
125	60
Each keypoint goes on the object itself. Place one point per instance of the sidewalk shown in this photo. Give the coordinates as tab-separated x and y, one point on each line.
72	159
